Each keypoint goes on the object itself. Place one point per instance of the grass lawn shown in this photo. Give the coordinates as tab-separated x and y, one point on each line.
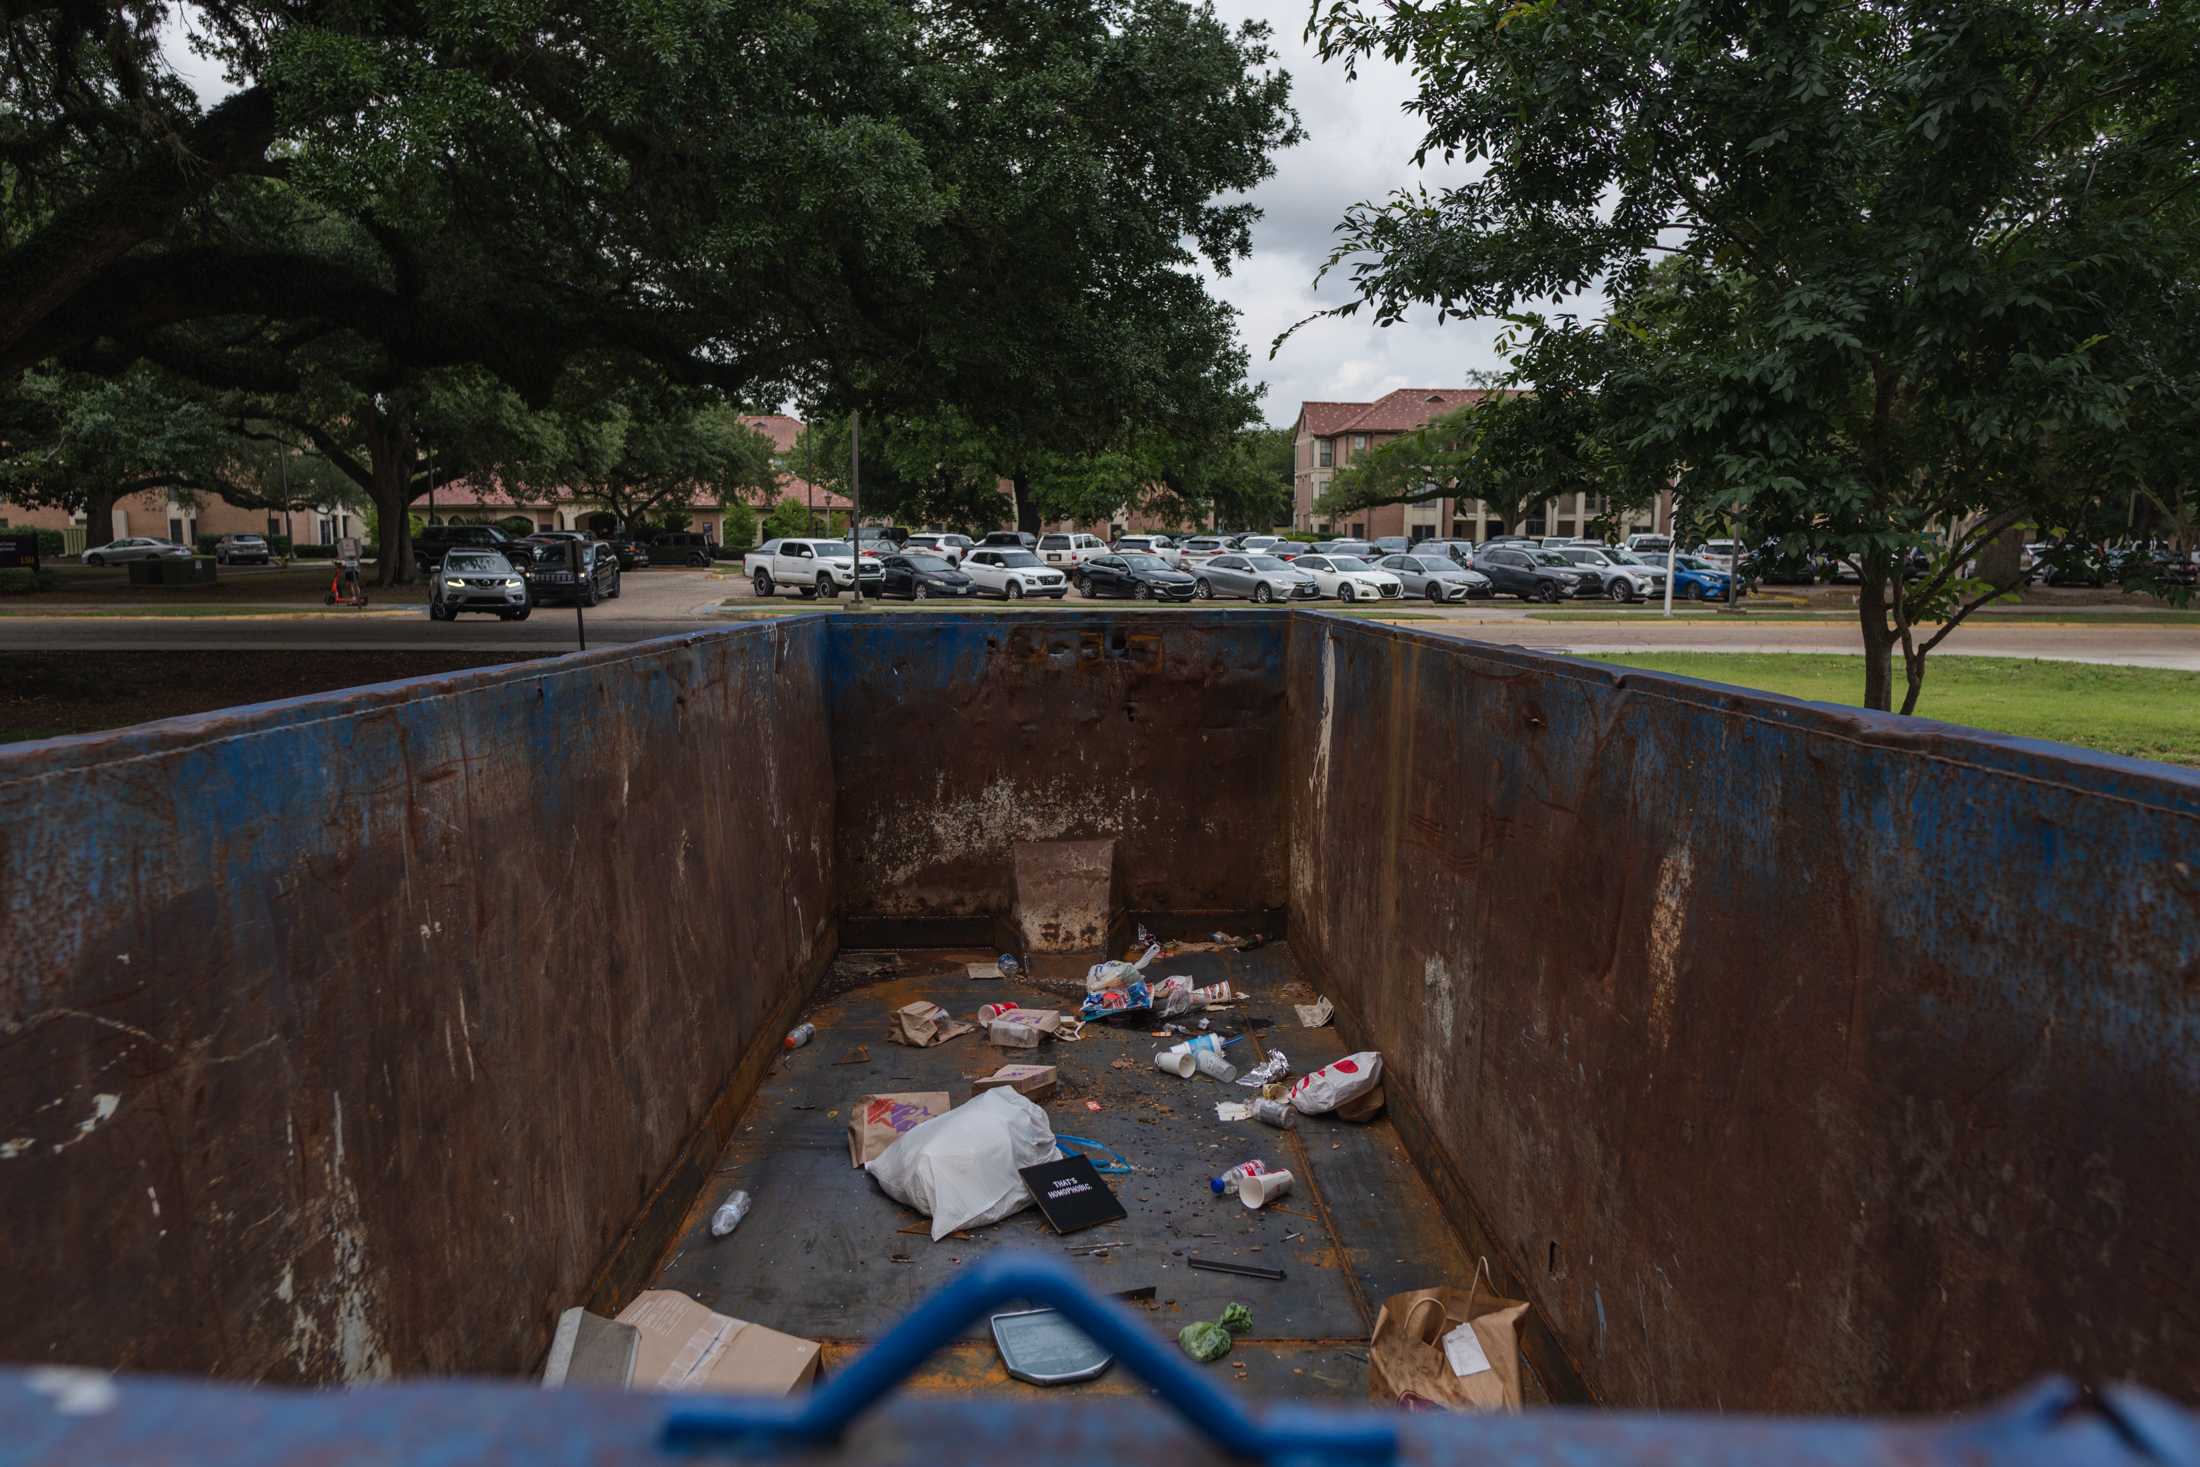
738	607
2078	617
2147	712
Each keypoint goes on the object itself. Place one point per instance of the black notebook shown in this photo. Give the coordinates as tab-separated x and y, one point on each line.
1071	1195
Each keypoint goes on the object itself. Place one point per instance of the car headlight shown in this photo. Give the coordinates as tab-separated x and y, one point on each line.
514	583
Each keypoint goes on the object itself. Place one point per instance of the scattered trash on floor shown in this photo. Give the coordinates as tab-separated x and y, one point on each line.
1233	1110
1024	1029
729	1213
1209	1340
985	970
923	1024
1314	1015
1214	1066
876	1122
860	1055
590	1350
1230	1180
1008	965
1337	1082
1125	1063
1242	1270
1042	1347
682	1346
1258	1190
800	1035
1458	1349
1269	1070
1111	974
1177	1061
960	1169
1118	1003
1092	1105
1037	1082
1070	1194
1271	1112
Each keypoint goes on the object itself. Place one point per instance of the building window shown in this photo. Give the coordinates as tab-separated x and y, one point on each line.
1359	444
1326	453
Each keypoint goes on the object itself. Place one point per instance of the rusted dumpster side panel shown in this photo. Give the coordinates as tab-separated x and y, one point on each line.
347	1035
1787	1057
954	737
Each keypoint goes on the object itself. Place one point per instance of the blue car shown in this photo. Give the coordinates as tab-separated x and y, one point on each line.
1697	579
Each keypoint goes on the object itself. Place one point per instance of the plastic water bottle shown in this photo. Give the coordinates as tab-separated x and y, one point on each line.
1275	1113
1228	1181
800	1035
1214	1066
729	1214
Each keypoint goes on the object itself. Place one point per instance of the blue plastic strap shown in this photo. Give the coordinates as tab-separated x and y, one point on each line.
758	1427
1121	1166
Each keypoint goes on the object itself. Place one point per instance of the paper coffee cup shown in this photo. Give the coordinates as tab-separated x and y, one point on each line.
1177	1062
1256	1190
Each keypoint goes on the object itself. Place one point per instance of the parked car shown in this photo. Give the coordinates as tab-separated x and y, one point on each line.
1364	549
1009	540
551	577
1438	577
1535	574
1349	578
1068	551
1620	582
1159	546
1653	566
950	548
632	553
678	547
433	541
1646	544
471	579
1261	577
1012	574
1719	554
881	539
1392	545
808	568
921	577
1201	548
136	547
243	550
1461	551
1142	577
1258	544
1697	579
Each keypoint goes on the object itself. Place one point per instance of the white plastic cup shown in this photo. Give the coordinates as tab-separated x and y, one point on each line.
1176	1061
1214	1066
1257	1190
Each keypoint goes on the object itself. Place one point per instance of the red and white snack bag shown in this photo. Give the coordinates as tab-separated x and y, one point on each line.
1337	1082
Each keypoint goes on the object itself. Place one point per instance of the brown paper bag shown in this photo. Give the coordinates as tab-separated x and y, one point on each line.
1405	1355
922	1025
876	1122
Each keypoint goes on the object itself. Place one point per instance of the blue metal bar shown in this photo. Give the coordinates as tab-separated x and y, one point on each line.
771	1425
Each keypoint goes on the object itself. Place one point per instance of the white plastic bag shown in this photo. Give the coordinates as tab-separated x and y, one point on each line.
1337	1082
1101	977
960	1168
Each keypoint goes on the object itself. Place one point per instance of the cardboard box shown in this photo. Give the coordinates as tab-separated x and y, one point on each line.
1034	1082
686	1347
876	1122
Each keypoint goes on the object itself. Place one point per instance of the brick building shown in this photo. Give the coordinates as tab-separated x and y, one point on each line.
1331	436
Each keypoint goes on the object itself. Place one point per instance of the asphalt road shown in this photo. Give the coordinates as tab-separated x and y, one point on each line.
667	603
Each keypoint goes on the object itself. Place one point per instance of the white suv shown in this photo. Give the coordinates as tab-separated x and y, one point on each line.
1070	550
1201	547
1161	547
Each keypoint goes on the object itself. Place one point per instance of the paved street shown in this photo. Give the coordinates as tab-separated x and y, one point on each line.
661	603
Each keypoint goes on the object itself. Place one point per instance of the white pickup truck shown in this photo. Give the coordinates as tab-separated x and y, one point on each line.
808	568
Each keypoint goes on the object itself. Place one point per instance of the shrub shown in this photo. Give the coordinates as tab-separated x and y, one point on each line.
50	543
22	581
787	518
737	529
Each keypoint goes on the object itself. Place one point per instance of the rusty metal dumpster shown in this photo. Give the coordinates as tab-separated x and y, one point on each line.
1784	1058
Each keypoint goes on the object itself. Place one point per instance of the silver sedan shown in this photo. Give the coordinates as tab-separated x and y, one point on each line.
136	547
1262	577
1438	577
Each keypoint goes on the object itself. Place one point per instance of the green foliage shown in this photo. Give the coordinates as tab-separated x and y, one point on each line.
1916	267
737	527
788	518
24	581
516	525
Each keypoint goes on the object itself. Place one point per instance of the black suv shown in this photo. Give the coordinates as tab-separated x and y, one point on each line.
1533	574
679	547
551	577
433	541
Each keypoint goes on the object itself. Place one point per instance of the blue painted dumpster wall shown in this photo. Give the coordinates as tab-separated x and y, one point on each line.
1787	1057
357	1032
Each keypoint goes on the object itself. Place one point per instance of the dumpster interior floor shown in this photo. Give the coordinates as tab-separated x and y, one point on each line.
828	1256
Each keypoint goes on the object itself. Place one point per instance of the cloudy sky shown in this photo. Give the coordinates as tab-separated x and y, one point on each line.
1359	145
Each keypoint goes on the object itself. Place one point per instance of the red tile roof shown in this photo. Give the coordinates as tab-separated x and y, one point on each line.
1325	418
1409	407
778	427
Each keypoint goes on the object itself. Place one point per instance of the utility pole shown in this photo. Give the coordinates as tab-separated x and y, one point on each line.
855	497
809	475
1672	551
